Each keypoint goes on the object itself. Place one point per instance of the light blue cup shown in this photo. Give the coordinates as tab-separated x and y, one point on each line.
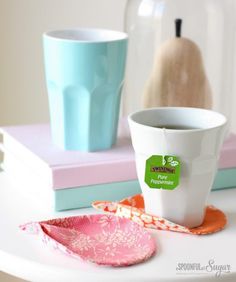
84	75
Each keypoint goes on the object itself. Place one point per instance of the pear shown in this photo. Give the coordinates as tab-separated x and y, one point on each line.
178	77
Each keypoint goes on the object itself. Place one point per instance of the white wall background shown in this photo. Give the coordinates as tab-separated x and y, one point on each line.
23	97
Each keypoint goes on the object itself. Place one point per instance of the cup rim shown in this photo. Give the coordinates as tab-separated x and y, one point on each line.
106	35
131	119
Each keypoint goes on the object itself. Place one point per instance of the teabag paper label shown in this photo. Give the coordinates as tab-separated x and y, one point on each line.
162	172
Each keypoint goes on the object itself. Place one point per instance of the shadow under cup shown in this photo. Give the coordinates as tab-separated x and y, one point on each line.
84	75
192	135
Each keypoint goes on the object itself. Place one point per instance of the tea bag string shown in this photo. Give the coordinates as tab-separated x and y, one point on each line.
164	146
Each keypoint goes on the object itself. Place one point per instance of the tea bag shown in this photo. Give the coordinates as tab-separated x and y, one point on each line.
178	77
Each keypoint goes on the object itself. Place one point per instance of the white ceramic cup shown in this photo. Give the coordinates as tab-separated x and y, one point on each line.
198	151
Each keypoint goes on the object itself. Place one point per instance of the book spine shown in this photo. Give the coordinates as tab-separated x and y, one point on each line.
94	174
9	145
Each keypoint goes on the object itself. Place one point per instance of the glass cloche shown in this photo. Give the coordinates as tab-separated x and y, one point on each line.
181	53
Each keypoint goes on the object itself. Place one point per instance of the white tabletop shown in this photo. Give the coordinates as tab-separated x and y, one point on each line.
27	257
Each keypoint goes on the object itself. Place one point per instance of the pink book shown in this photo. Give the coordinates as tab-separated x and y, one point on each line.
32	145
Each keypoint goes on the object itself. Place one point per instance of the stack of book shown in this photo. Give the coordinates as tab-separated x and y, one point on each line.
72	179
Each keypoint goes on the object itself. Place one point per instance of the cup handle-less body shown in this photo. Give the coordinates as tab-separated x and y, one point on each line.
197	150
84	82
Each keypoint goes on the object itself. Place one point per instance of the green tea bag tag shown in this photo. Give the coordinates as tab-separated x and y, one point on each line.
162	172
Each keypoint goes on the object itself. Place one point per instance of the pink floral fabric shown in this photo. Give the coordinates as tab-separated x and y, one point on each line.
102	239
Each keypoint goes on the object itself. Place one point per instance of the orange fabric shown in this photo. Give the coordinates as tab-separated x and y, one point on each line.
214	221
133	208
